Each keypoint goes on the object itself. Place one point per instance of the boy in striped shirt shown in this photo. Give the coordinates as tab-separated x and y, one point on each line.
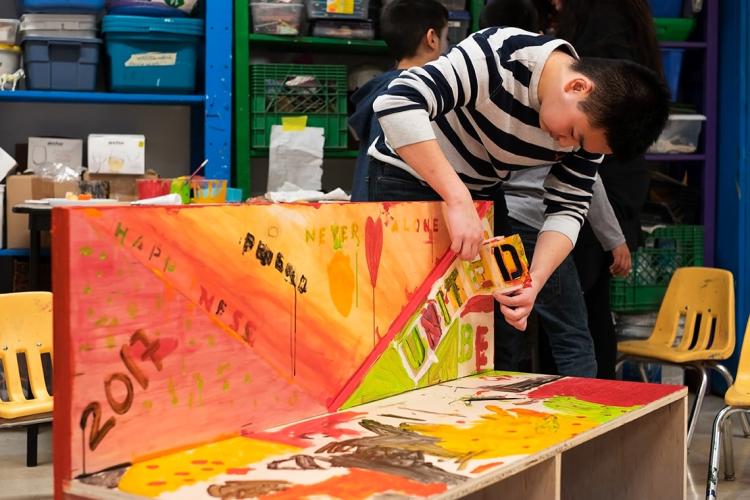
503	100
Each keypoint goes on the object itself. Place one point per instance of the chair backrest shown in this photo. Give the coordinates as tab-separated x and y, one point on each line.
697	313
742	380
26	329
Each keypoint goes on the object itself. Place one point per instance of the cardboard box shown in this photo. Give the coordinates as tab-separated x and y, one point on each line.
20	188
121	187
117	154
53	150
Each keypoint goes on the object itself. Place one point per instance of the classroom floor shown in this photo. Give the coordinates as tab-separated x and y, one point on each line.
17	482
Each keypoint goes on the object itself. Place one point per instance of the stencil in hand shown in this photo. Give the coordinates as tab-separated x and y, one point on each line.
180	326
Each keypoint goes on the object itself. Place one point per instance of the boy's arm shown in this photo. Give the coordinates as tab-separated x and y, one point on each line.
607	230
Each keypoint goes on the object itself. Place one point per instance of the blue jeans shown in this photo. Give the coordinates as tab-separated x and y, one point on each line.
561	310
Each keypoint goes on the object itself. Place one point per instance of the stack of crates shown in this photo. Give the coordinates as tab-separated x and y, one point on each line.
666	249
317	91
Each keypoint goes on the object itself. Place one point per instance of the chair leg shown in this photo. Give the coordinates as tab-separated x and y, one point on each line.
642	371
744	419
728	451
713	461
618	366
32	433
695	410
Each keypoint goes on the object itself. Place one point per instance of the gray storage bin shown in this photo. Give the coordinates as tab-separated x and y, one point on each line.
61	63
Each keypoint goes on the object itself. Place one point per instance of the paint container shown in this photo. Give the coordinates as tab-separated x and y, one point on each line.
181	186
209	190
151	188
234	195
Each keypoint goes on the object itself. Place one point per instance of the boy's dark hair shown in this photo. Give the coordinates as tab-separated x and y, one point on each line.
629	101
511	13
403	24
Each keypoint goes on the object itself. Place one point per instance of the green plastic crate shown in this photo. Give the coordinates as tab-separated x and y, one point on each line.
277	91
665	250
673	29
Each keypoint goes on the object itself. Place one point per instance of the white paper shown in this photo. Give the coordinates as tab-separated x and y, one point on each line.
167	199
289	192
7	162
295	157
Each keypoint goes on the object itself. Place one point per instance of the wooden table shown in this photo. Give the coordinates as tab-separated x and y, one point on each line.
493	436
40	219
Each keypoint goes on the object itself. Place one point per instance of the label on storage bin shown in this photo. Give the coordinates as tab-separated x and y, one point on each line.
152	59
340	6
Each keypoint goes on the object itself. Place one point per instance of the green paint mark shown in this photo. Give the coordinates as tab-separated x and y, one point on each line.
87	290
225	385
199	383
443	308
86	251
413	347
85	347
190	399
172	391
595	411
248	378
211	341
447	351
114	321
102	321
148	404
466	348
132	310
103	256
110	342
222	368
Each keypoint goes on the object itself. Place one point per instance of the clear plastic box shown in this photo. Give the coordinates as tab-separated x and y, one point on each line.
277	18
336	9
9	31
680	136
356	30
59	25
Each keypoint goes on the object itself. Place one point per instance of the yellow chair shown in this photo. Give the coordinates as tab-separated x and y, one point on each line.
26	330
694	329
737	399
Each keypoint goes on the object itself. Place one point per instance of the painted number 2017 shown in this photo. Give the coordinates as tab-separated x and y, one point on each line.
123	404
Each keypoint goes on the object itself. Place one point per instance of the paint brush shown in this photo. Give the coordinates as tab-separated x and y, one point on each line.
488	398
200	167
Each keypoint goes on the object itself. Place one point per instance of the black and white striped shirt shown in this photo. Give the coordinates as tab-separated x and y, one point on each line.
480	102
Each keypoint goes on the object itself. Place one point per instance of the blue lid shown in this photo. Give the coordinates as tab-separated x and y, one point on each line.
142	24
141	8
459	15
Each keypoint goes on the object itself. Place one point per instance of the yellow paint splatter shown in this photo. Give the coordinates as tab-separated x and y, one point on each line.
199	382
87	290
225	385
110	342
85	347
222	368
169	473
188	323
85	251
190	399
102	321
148	404
99	274
503	433
90	312
192	342
210	340
132	310
172	391
114	321
109	299
248	378
103	256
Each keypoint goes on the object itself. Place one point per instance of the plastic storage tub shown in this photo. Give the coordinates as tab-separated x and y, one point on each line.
60	63
10	58
277	18
458	26
356	30
156	8
680	136
60	6
671	60
59	25
152	54
337	9
9	30
673	29
666	8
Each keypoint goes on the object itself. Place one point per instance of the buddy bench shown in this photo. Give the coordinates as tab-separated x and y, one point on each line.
321	350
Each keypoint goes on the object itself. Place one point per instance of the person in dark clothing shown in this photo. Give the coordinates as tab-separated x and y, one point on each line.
416	32
615	29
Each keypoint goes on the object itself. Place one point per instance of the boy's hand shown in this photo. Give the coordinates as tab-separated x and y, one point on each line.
464	228
517	306
621	261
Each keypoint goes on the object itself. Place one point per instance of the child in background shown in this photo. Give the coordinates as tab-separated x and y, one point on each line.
416	32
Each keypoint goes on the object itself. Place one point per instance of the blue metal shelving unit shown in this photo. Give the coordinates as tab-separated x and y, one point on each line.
211	113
